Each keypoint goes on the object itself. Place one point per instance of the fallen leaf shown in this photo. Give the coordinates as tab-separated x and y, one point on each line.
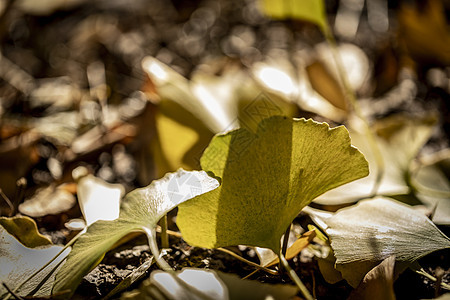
50	200
432	185
267	178
365	234
141	210
306	10
98	199
268	258
18	262
399	142
424	31
193	283
25	230
378	283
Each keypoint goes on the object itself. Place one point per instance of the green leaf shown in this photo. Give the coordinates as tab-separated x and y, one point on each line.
25	230
267	178
307	10
18	261
365	234
140	211
202	284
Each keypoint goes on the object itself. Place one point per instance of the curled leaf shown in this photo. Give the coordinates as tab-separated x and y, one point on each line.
17	262
365	234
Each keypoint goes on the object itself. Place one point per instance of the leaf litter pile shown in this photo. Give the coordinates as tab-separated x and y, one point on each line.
227	149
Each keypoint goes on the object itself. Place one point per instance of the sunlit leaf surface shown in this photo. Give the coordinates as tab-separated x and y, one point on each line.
140	211
267	178
365	234
18	262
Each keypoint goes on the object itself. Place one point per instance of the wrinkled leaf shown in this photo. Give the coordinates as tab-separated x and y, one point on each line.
207	284
140	211
267	178
18	262
433	186
307	10
25	230
365	234
378	283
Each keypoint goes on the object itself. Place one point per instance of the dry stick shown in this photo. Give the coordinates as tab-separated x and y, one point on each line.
21	185
295	278
253	264
431	277
285	245
259	267
11	206
350	95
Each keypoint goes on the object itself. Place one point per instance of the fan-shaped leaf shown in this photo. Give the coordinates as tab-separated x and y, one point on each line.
267	178
140	211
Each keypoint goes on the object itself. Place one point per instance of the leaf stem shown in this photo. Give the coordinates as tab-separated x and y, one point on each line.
295	278
164	235
350	95
284	246
70	243
151	235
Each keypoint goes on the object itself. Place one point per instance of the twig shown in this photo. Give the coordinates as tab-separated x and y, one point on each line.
11	206
431	277
285	245
295	278
272	272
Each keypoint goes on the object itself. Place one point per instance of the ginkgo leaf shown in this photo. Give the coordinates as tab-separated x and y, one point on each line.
50	200
267	178
268	258
25	230
98	199
191	283
365	234
307	10
378	283
399	140
17	262
141	210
